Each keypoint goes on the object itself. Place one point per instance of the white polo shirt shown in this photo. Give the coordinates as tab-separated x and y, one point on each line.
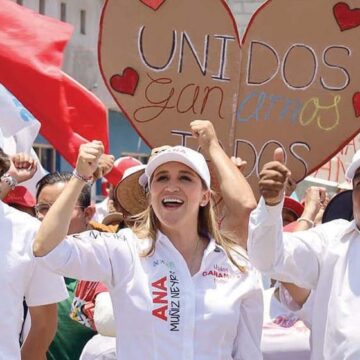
326	259
161	311
21	276
284	335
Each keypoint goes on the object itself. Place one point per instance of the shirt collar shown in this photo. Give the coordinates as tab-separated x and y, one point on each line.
350	227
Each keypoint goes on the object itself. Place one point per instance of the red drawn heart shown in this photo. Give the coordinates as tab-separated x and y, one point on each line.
345	17
154	4
125	83
356	103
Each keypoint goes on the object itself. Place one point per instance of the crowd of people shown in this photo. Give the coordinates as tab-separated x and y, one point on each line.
179	262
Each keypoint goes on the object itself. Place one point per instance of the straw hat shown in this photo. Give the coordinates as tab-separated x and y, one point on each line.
113	218
129	193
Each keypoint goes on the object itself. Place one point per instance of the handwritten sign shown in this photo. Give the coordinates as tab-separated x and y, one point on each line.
334	170
292	82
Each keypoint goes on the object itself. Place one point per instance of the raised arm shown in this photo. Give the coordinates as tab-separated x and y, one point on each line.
22	167
54	227
289	257
235	191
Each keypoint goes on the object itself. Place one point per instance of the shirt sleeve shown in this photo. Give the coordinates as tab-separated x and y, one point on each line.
248	339
290	257
304	312
45	287
92	256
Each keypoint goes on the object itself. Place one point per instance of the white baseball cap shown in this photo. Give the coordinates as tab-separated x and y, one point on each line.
355	164
191	158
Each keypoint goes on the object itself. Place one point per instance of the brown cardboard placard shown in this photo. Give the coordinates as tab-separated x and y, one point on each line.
294	82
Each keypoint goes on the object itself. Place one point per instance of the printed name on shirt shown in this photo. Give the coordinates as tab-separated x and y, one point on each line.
165	309
96	234
221	273
217	271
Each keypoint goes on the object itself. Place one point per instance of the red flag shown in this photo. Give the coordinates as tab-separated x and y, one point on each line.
31	54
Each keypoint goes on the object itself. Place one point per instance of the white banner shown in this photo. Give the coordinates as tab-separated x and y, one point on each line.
18	131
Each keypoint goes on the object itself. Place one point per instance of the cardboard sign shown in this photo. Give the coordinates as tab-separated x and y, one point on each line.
335	169
294	82
165	70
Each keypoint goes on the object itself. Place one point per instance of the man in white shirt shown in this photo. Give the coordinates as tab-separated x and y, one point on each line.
22	278
325	258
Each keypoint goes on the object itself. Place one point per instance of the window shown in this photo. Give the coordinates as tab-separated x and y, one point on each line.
42	7
47	156
143	157
63	12
82	22
20	2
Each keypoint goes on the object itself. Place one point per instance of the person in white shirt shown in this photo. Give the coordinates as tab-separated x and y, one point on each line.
325	259
180	290
22	278
285	335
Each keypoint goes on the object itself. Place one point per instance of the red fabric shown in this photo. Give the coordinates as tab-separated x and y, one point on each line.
83	305
31	54
293	205
20	196
120	166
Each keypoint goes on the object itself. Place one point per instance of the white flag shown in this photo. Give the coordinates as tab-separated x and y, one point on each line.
18	131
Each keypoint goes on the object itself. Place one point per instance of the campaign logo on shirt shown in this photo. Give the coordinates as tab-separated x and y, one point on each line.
285	321
166	300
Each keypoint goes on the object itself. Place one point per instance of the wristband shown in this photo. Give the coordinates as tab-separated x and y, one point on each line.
310	222
9	180
86	179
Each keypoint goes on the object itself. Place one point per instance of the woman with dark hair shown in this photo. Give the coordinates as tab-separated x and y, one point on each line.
180	288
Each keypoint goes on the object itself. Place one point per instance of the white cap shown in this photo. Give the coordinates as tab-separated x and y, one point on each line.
191	158
355	164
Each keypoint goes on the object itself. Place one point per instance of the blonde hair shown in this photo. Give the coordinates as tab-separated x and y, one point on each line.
146	225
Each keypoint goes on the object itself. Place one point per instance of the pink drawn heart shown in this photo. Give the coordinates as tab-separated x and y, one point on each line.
356	103
154	4
125	83
345	17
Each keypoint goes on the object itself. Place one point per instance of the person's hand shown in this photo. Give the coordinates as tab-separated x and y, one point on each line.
324	201
314	198
88	158
273	178
105	164
290	186
23	167
204	131
240	163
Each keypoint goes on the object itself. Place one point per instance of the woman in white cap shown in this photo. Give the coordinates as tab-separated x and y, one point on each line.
180	290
